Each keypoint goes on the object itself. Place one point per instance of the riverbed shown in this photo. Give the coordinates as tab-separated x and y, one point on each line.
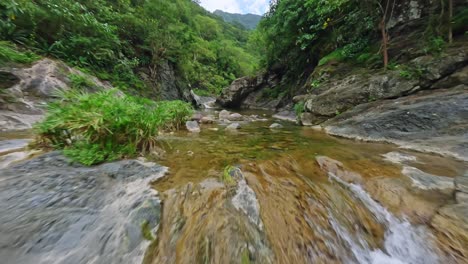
297	195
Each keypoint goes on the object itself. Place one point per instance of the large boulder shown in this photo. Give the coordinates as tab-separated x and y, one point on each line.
249	92
340	95
54	209
433	121
233	95
24	91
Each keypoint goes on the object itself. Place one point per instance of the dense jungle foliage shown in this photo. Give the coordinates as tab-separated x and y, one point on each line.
116	40
303	33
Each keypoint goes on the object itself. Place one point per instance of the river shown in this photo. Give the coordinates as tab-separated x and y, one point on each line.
295	195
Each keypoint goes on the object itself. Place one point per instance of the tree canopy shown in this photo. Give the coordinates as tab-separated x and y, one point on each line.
116	38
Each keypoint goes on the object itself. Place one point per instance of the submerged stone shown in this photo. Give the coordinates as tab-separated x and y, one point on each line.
193	126
233	126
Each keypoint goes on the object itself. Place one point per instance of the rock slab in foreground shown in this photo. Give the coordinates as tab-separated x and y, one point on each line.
55	212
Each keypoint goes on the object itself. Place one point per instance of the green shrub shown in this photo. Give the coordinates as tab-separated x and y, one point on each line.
410	73
435	45
105	126
80	82
9	53
299	108
200	92
336	55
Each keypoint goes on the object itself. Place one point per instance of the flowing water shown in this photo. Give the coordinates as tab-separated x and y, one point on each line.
291	195
285	208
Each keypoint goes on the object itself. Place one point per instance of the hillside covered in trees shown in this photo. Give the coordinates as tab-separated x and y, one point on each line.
249	21
132	43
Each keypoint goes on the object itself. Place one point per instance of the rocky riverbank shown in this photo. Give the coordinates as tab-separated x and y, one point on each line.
421	104
54	211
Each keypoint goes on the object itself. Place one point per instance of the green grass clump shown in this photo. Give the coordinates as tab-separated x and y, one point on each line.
9	53
226	177
93	128
299	108
80	82
336	55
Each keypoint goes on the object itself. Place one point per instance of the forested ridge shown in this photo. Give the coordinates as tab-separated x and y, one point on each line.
117	40
249	21
303	33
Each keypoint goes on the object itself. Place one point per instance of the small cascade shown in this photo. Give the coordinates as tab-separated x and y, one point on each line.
403	242
206	102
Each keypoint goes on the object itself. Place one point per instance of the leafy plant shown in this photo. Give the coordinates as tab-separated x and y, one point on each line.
200	92
108	125
299	108
435	45
9	53
226	177
80	82
409	72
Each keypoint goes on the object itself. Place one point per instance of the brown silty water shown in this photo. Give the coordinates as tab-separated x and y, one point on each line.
300	196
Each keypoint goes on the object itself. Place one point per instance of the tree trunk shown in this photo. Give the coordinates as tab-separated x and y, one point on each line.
450	33
384	42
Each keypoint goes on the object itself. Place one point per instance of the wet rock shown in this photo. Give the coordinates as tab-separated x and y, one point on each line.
207	229
235	117
233	126
60	212
192	126
224	114
10	120
461	184
398	158
276	126
286	116
452	231
397	197
461	197
203	101
307	119
13	145
426	181
245	198
432	121
196	117
208	119
256	118
336	168
14	157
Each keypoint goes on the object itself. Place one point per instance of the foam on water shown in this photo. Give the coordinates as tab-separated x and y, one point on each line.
404	243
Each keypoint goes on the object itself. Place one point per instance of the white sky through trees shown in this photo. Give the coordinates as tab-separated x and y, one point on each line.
258	7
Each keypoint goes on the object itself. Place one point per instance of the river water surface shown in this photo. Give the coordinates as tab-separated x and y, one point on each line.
261	195
286	208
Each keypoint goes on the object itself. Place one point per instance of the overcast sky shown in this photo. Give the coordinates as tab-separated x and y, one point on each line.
237	6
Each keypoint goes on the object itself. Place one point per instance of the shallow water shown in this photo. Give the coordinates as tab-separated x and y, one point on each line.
281	207
306	215
193	157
